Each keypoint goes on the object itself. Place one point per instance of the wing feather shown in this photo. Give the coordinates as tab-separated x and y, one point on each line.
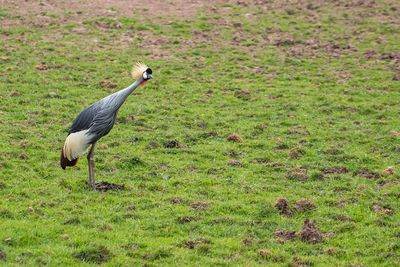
84	119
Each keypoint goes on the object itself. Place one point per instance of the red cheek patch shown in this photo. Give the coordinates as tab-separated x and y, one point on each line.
143	83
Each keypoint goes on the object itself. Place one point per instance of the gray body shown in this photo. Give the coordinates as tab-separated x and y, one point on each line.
99	118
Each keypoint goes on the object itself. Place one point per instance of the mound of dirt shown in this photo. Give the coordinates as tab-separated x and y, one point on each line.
282	205
199	205
106	186
174	144
304	205
310	233
368	174
234	138
191	244
285	235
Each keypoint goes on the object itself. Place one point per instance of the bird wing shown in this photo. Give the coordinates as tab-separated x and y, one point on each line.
84	119
98	118
102	123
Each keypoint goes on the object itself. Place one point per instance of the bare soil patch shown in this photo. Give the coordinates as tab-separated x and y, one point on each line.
174	144
3	256
185	219
285	235
191	244
282	205
199	205
310	233
42	13
234	163
382	209
298	173
176	200
234	138
304	205
265	253
335	170
106	186
368	174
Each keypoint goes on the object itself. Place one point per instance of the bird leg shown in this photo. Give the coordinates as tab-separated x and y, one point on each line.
90	158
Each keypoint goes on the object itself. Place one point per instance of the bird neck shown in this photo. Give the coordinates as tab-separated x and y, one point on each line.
133	86
128	90
119	97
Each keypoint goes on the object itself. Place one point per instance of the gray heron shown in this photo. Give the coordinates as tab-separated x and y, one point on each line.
96	121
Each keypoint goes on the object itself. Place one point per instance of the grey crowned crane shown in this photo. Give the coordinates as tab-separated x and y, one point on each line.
97	121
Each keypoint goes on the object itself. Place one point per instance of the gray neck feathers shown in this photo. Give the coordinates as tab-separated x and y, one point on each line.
127	91
119	97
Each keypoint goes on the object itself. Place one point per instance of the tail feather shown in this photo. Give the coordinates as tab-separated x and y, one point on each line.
75	145
64	162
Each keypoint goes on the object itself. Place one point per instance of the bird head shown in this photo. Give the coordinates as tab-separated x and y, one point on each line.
141	72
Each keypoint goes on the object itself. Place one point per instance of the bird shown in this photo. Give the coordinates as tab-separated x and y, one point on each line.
96	121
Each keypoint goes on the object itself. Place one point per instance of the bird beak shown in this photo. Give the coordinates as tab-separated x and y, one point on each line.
149	76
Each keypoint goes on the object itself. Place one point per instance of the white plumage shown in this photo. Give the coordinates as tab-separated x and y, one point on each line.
76	145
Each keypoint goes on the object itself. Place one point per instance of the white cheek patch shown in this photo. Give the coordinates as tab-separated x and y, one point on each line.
145	75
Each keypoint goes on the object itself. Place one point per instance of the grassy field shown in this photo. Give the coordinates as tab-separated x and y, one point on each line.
269	136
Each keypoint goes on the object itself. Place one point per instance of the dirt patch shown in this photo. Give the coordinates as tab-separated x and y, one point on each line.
368	174
310	233
242	94
176	200
394	133
233	154
174	144
248	241
97	254
296	153
192	244
3	256
42	66
234	163
109	25
72	221
199	205
261	160
299	129
282	205
185	219
370	54
382	210
234	138
108	85
106	186
285	235
304	205
298	173
14	93
43	13
314	48
388	171
390	56
265	253
299	262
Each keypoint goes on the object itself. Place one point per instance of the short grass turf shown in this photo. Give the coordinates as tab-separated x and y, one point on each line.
250	103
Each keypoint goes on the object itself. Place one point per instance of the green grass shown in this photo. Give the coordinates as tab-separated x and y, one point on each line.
323	107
